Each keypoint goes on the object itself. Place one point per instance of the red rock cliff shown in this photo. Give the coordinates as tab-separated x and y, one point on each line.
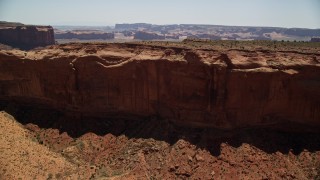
26	37
197	87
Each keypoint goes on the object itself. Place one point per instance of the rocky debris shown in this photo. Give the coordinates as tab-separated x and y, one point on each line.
22	157
123	157
26	36
133	154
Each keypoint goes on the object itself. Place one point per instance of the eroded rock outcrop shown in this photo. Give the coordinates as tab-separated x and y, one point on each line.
26	36
193	87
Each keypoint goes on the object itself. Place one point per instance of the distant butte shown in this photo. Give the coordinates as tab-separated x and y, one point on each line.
25	37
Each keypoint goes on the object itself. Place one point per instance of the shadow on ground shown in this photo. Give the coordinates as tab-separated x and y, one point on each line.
269	140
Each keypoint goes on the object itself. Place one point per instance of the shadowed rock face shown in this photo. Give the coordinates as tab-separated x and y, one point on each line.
190	87
26	37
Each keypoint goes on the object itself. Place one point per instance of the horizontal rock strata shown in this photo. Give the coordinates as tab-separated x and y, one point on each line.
188	86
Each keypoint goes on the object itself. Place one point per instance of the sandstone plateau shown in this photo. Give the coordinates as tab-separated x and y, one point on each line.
160	110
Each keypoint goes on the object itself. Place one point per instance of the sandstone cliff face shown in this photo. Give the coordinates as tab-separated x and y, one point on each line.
26	37
193	87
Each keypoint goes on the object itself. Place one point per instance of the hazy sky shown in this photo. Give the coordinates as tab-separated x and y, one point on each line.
280	13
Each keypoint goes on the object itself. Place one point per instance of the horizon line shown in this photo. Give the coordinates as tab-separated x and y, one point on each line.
200	24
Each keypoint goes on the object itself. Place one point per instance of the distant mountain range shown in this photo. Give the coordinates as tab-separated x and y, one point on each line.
225	32
145	31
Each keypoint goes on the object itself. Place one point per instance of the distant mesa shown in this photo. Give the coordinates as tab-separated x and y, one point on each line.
25	37
315	39
127	33
133	26
177	32
217	32
148	36
205	36
84	35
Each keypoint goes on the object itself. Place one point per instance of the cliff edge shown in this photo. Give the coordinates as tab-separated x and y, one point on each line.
198	87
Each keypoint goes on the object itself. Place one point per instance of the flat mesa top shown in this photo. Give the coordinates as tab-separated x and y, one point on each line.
235	54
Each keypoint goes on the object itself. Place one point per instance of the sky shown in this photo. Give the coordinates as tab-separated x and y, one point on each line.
274	13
